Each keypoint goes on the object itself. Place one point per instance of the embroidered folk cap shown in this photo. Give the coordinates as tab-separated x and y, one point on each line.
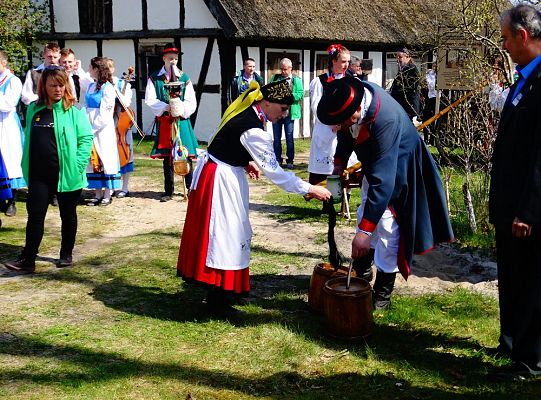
341	98
171	48
278	92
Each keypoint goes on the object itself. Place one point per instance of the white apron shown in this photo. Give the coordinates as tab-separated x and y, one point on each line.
230	232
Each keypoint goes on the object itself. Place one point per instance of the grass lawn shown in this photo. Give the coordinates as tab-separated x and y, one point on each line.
120	325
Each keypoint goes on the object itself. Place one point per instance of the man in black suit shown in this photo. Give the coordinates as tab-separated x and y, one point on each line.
515	196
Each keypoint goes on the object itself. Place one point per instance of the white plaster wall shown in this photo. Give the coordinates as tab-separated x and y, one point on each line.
192	59
377	69
163	14
307	76
84	50
66	15
208	116
198	15
127	15
121	51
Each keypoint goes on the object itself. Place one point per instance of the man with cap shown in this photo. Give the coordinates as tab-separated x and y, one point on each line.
174	131
215	244
403	209
406	87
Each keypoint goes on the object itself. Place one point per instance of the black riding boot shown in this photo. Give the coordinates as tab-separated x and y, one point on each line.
363	266
383	288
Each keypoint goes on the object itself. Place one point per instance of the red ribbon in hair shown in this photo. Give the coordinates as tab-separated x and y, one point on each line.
334	49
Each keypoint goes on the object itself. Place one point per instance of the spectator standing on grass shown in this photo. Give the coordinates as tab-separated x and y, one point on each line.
58	140
515	197
288	121
241	81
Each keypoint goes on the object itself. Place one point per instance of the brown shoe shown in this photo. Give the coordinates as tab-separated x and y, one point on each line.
22	265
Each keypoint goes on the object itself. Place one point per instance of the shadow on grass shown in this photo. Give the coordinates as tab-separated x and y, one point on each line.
258	250
77	365
291	213
415	349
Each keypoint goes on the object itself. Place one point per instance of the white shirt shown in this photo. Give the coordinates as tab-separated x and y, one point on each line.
158	107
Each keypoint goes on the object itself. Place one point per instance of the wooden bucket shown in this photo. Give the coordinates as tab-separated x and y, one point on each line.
322	273
348	309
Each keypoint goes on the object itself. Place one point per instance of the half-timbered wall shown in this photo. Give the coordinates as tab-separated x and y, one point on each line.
141	27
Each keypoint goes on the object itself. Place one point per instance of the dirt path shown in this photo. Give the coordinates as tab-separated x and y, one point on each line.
142	212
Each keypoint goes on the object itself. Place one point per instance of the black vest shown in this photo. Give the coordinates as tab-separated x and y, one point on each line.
226	145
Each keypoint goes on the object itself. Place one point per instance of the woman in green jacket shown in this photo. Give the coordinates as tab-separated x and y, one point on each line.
58	141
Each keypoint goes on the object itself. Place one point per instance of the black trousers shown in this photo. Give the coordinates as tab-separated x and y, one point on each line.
38	199
169	176
519	287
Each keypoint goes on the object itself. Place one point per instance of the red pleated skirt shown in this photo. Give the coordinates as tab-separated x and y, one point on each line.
191	265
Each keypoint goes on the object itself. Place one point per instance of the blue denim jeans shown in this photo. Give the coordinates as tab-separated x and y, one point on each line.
288	124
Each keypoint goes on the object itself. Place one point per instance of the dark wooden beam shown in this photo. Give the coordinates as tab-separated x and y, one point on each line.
202	77
182	14
51	16
222	17
144	13
226	50
156	33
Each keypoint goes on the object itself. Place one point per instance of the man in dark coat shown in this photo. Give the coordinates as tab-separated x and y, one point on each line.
406	85
515	195
403	209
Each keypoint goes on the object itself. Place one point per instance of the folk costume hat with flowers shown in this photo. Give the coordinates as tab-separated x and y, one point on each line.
341	98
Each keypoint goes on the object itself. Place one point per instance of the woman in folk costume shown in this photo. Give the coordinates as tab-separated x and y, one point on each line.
103	169
124	94
11	133
171	97
215	244
323	145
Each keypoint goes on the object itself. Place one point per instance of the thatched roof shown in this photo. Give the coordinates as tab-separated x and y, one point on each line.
366	22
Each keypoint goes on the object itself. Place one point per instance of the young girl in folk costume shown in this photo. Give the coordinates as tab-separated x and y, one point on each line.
215	245
103	169
11	133
124	94
323	145
172	109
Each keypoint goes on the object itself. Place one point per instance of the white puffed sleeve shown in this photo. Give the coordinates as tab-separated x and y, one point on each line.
259	144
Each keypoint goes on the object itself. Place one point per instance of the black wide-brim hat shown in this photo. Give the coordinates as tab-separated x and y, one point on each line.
341	98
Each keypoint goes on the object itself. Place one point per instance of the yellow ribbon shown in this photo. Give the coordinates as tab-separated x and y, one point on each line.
245	100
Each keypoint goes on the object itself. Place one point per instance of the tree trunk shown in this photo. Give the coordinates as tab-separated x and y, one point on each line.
468	203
